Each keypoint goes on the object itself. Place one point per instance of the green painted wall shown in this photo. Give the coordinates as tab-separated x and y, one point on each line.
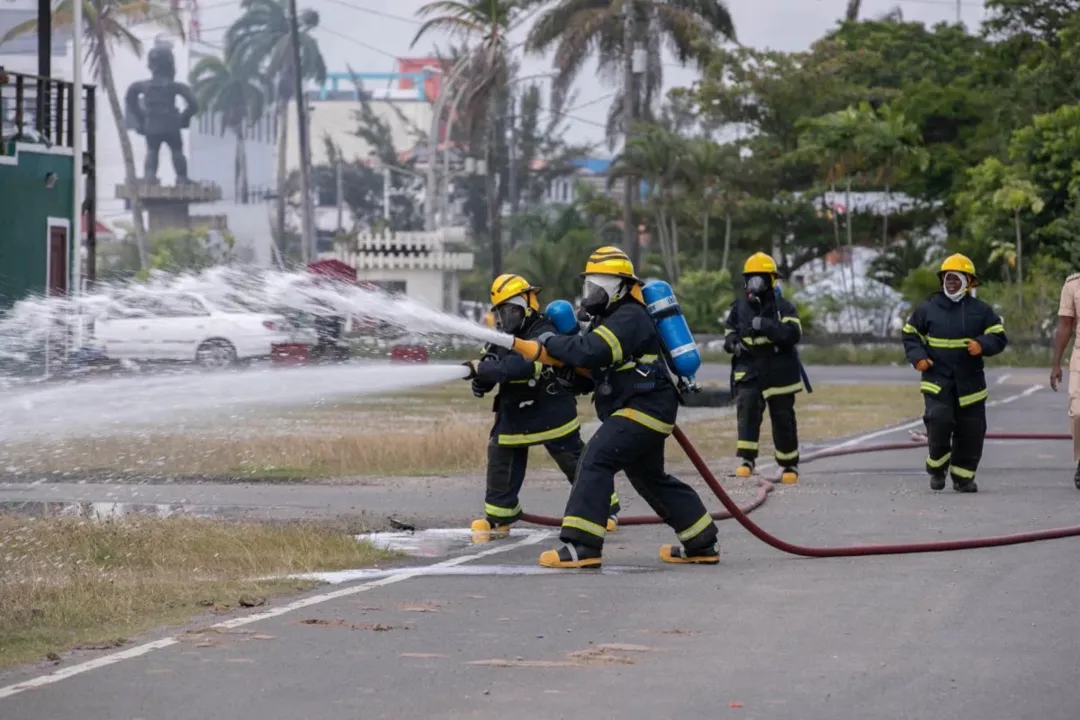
27	204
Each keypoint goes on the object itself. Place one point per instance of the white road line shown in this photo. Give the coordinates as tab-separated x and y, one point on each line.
1001	380
906	426
405	574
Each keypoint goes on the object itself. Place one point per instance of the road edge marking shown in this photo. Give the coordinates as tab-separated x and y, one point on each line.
404	574
858	439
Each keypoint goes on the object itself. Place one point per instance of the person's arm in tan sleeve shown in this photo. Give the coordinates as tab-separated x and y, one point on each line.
1066	324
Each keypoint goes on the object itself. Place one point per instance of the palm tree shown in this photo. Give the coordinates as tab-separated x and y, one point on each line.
890	140
577	29
106	27
230	89
479	81
711	170
260	38
659	157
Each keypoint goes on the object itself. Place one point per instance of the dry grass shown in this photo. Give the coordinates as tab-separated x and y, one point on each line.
68	583
437	431
833	411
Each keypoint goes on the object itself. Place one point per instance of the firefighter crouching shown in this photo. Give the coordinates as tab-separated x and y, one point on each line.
946	339
762	332
637	403
531	408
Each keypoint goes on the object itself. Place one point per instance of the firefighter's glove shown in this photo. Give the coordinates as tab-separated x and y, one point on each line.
479	389
543	338
735	346
924	365
974	348
472	365
763	324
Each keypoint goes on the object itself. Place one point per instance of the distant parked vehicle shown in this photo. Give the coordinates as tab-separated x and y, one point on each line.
187	327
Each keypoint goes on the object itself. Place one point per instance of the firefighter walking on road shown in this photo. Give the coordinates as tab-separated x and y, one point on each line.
763	330
946	339
1068	311
531	408
637	403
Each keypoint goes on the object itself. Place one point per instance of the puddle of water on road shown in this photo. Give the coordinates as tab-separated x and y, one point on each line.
347	576
435	542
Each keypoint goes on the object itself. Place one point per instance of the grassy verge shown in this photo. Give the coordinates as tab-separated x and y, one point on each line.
834	411
67	583
847	354
441	430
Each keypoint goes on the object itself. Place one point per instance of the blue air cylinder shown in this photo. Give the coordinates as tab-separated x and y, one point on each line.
562	316
671	324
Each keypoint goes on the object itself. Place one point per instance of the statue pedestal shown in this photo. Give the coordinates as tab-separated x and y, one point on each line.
169	206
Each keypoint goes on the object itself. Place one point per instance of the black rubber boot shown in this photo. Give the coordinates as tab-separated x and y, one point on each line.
937	480
680	555
966	487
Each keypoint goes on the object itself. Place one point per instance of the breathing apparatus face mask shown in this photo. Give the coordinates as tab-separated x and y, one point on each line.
954	285
757	286
600	291
511	314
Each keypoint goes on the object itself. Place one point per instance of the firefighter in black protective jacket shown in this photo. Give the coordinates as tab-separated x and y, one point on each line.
762	332
532	408
637	403
946	339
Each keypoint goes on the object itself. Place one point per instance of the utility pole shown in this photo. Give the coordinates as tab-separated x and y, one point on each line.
512	160
386	194
339	190
310	251
959	3
630	234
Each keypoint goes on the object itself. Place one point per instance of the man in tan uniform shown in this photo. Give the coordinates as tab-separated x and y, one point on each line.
1068	311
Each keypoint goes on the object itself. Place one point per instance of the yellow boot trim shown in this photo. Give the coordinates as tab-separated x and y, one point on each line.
551	559
674	554
743	471
612	524
483	531
789	477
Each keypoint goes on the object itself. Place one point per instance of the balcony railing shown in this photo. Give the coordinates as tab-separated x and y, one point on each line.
41	110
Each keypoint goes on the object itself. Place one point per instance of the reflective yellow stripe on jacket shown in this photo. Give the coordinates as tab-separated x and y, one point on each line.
644	360
645	419
538	367
541	437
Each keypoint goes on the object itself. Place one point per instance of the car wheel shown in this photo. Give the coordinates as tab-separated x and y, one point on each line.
216	354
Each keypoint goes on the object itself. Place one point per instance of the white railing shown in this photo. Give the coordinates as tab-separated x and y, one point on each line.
368	260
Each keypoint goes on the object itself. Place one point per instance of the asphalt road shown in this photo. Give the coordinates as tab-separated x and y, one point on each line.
977	635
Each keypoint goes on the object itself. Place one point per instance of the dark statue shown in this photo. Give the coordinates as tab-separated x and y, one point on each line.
151	111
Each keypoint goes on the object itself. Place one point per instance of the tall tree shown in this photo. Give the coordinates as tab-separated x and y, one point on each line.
107	28
479	82
231	90
261	38
580	29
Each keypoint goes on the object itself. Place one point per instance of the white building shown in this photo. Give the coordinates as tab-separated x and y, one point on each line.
422	266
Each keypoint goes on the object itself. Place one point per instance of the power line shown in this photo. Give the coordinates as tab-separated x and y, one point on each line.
372	11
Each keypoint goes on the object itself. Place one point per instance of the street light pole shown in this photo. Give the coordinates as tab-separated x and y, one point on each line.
310	250
630	235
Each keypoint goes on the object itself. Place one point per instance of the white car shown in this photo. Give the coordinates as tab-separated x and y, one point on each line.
186	327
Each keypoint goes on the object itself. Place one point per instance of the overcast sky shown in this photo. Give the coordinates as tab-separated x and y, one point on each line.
367	35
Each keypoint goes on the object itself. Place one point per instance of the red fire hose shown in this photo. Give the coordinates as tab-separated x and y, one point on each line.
740	514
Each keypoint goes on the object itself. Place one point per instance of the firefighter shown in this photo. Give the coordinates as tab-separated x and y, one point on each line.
531	408
637	403
1067	314
763	330
946	339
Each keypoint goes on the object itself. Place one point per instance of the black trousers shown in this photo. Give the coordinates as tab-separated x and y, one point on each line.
506	473
622	444
955	435
750	406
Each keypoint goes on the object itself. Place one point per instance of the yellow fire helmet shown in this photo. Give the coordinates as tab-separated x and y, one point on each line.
610	260
509	285
961	264
759	263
